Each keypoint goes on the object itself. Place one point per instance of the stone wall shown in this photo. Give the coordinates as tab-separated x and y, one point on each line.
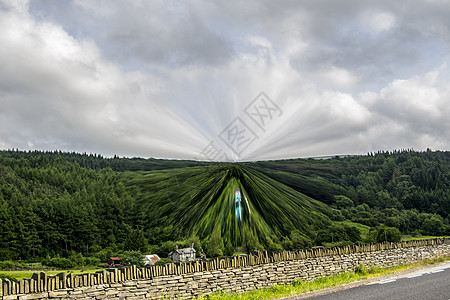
235	275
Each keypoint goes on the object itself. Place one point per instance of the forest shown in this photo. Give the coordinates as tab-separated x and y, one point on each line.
57	204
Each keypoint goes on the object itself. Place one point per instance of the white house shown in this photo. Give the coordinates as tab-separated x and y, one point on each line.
183	254
150	260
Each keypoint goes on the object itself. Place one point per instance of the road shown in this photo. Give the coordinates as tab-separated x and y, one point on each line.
432	282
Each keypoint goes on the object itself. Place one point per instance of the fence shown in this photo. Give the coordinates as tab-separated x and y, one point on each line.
41	282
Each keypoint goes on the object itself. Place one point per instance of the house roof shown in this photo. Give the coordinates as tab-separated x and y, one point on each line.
186	250
183	251
152	257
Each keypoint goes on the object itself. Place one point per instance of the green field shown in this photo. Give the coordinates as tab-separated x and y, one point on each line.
423	237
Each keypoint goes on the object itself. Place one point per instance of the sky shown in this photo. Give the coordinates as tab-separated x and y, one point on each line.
224	80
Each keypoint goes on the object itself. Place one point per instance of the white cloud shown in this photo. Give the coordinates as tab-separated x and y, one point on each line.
411	112
17	6
164	79
56	86
343	108
380	21
410	98
338	78
418	99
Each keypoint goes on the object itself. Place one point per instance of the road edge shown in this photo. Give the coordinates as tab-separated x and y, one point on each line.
357	283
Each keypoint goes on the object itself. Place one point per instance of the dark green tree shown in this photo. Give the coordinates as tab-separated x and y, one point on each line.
136	241
229	249
130	258
299	240
388	234
433	226
215	247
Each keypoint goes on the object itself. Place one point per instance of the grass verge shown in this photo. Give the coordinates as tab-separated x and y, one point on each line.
423	237
300	287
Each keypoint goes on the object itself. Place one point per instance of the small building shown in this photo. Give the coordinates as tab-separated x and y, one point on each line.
114	261
150	260
183	254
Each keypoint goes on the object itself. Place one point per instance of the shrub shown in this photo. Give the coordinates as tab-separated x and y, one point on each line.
163	261
343	201
214	247
192	240
130	258
300	241
275	247
433	226
8	276
60	262
91	261
76	258
353	233
8	264
229	249
166	248
361	269
297	282
388	234
287	244
104	254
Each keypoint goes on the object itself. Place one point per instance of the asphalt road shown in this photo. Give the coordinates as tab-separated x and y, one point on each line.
426	283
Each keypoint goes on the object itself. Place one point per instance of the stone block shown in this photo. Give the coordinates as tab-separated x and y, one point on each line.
75	291
95	294
129	283
111	292
89	290
125	295
30	296
172	281
57	294
135	297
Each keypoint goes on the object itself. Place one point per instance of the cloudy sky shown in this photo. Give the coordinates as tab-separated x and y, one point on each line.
224	80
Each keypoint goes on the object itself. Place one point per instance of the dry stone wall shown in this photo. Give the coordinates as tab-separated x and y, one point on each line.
235	275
